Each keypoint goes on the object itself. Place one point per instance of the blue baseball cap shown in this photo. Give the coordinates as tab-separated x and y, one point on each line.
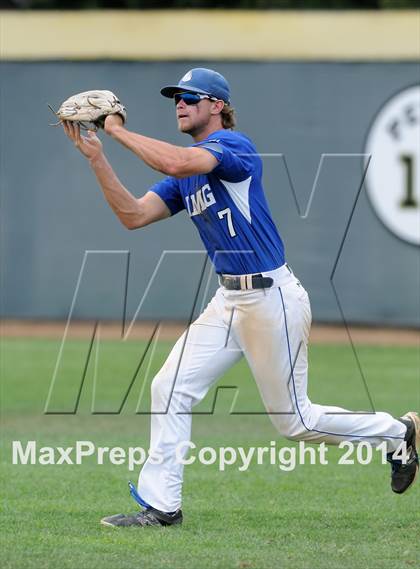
203	81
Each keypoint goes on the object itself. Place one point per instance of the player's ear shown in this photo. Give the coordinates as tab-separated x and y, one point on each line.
217	107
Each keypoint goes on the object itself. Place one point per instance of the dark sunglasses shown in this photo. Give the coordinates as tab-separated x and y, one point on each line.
191	98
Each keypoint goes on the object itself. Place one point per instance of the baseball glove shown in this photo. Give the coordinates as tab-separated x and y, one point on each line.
90	109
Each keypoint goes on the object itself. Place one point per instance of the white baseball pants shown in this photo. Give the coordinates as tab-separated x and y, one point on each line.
270	328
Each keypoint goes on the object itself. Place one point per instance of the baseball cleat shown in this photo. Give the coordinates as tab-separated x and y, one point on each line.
403	475
148	517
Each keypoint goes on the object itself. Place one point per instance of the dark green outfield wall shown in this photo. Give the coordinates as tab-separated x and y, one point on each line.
52	210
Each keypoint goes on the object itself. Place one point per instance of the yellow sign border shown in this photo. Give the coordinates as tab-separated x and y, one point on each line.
210	35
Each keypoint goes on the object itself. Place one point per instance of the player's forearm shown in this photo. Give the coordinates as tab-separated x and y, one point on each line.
125	205
159	155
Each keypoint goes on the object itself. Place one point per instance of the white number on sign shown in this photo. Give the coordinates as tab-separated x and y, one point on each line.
226	212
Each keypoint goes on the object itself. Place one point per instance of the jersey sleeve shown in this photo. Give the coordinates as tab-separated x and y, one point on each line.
234	162
168	190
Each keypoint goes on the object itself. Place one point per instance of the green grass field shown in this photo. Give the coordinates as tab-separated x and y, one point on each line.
316	516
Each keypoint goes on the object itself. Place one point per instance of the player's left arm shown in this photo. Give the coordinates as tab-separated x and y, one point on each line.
169	159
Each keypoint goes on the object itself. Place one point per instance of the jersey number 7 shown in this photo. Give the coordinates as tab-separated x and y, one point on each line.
226	212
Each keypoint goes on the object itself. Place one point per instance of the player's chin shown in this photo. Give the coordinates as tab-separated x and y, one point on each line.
184	125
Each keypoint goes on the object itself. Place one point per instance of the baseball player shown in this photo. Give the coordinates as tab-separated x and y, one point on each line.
260	310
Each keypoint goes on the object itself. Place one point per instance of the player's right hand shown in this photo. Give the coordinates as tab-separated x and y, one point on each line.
90	146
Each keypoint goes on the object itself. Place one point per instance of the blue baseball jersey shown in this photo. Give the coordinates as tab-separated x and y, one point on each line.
228	207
